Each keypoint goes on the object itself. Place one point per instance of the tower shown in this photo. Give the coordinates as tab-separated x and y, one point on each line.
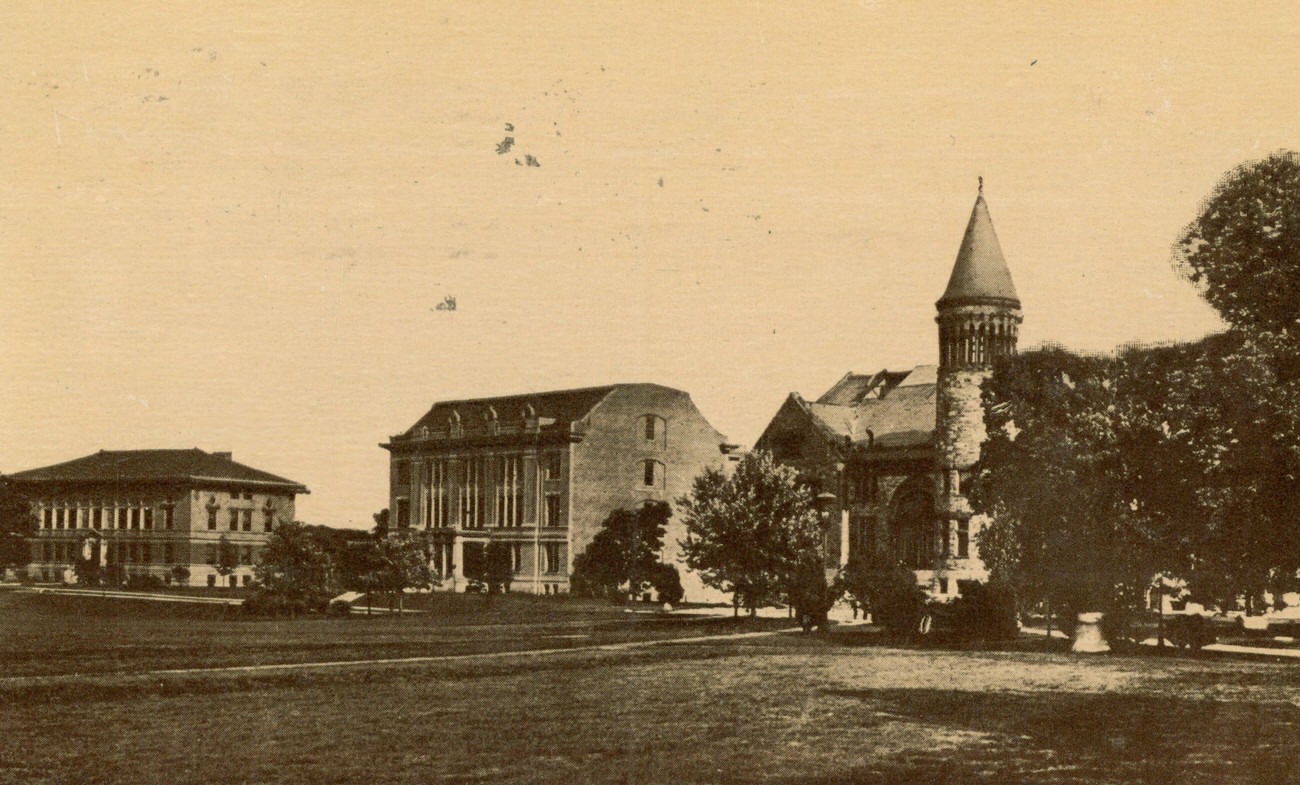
979	320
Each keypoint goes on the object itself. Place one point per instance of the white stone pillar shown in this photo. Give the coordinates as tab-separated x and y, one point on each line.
844	537
457	563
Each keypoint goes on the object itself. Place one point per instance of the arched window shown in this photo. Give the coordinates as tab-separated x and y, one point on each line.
913	527
652	474
453	424
651	429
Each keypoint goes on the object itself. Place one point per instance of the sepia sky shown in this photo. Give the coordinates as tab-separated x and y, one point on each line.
230	227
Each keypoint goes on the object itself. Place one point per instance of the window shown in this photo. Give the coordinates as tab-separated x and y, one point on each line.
943	585
49	551
439	495
652	474
234	496
146	553
169	516
248	496
471	493
212	553
516	557
510	491
552	553
212	518
58	518
246	555
148	518
248	580
553	517
212	580
269	522
403	513
97	518
403	473
168	553
945	539
234	520
135	517
49	517
553	466
652	429
248	520
963	539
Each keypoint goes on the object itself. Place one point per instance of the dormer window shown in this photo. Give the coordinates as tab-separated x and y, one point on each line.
453	424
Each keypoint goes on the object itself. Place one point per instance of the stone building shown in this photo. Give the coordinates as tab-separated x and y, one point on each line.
542	471
894	448
147	512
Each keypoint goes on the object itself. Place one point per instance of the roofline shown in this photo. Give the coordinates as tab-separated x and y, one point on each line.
289	484
538	393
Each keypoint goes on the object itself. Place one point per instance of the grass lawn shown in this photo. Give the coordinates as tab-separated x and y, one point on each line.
780	709
49	635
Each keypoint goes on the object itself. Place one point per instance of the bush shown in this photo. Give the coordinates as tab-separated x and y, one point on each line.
984	612
144	582
667	584
897	603
283	600
340	608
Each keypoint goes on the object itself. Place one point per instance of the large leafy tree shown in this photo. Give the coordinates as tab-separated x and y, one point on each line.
753	532
1054	475
403	564
1243	248
624	556
295	573
1243	251
17	526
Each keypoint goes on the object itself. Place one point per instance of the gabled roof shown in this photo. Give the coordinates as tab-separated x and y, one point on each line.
902	414
560	406
980	275
169	465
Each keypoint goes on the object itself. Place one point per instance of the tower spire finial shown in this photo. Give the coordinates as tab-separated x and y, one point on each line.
981	185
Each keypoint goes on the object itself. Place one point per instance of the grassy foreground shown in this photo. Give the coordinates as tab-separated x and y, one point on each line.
781	709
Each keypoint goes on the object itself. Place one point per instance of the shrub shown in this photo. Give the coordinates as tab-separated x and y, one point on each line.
144	582
984	612
284	600
667	584
897	603
340	608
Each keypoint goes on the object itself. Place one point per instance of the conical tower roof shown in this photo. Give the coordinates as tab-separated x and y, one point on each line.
980	275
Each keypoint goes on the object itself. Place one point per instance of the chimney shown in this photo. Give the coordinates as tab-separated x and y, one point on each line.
225	455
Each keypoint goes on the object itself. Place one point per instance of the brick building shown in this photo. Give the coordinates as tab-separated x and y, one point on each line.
894	448
146	512
542	471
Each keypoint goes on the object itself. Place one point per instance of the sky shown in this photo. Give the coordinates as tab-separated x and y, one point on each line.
231	227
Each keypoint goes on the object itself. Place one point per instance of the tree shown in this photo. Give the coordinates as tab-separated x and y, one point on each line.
623	557
294	574
227	557
87	565
751	533
884	588
381	524
17	526
1243	248
1055	478
667	583
498	567
1243	251
403	564
181	575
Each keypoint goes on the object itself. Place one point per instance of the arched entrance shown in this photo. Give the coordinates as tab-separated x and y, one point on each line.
913	533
